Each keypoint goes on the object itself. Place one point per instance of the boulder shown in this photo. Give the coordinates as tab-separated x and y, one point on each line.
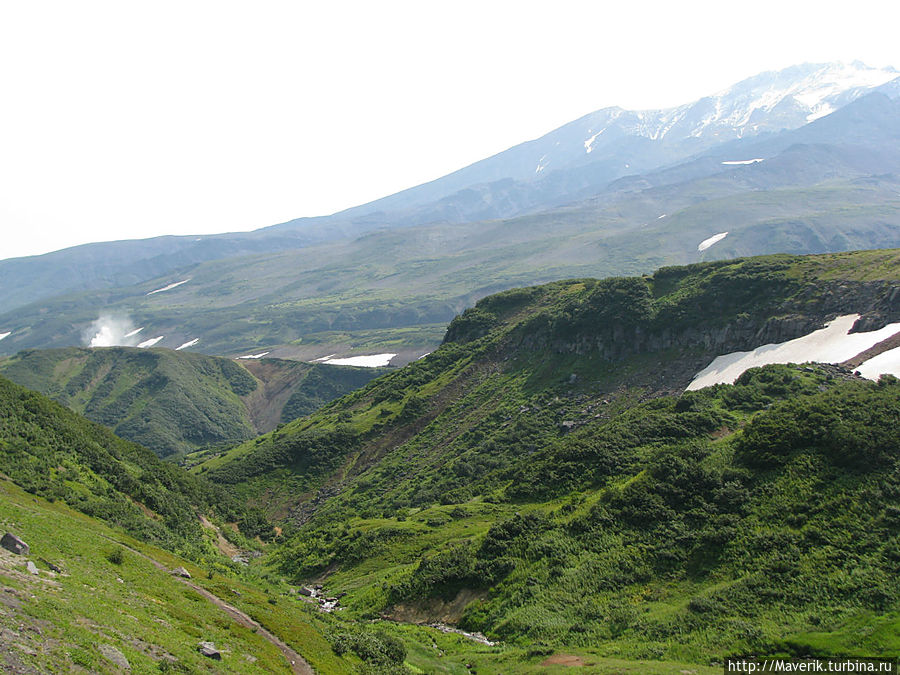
181	572
209	650
12	543
114	656
32	568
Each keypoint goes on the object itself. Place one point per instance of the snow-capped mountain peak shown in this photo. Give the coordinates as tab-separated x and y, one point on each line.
769	102
798	94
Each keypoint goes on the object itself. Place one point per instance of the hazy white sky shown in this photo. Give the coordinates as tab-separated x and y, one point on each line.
124	119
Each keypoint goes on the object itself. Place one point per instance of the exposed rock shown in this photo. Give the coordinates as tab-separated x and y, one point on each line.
209	650
244	557
181	572
32	568
12	543
114	656
475	637
55	568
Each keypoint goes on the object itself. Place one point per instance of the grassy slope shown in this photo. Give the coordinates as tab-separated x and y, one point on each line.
60	621
176	402
382	483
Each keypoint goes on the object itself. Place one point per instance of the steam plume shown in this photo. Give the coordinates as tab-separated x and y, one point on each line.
111	331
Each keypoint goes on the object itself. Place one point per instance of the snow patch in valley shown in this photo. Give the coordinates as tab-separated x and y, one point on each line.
368	361
738	162
254	356
169	287
149	343
323	358
189	343
715	239
661	217
886	362
4	335
832	344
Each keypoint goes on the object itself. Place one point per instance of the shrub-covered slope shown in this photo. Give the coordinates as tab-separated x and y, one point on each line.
53	452
527	366
542	478
175	402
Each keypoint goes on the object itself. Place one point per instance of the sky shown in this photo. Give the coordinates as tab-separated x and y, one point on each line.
123	119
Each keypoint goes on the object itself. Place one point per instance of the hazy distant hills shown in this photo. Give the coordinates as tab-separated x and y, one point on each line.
174	402
615	192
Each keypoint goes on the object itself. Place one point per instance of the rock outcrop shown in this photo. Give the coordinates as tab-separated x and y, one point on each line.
208	649
12	543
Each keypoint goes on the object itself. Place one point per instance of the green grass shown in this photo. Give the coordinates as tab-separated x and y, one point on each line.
148	615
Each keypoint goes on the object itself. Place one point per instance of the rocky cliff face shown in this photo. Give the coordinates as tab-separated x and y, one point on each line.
685	349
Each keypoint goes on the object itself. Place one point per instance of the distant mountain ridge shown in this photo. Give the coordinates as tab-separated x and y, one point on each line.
566	164
614	141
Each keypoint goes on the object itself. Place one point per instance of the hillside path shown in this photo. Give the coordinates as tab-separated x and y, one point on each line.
299	665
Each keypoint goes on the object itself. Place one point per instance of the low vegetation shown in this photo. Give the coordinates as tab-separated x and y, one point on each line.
179	402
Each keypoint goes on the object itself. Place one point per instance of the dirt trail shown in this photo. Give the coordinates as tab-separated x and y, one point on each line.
299	666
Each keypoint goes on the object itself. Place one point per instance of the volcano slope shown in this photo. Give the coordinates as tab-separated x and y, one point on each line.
544	478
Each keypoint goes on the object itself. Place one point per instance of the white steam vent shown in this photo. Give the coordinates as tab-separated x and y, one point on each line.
111	331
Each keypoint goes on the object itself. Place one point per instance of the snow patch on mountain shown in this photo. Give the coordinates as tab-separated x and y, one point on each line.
739	162
368	361
715	239
5	335
253	356
169	287
189	343
151	342
885	363
832	344
589	143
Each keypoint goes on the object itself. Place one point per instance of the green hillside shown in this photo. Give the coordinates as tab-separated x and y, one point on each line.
53	452
542	479
175	402
114	607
